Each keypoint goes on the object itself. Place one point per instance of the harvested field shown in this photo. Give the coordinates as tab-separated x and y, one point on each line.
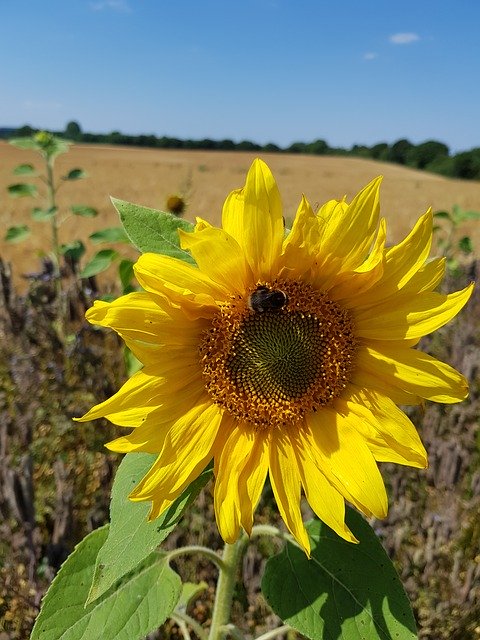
148	176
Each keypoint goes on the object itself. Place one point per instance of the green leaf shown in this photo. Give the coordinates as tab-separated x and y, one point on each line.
131	609
465	245
74	250
471	215
345	591
131	536
100	262
84	211
40	215
126	273
152	230
75	174
442	214
25	170
17	234
112	234
132	363
21	190
24	143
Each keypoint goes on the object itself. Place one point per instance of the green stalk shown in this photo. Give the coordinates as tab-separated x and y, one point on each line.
54	224
232	556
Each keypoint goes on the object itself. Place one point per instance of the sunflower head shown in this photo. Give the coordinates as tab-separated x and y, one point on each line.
284	355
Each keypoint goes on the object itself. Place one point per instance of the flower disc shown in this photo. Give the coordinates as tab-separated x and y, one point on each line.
271	366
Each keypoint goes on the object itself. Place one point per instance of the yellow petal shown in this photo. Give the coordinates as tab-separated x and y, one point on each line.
390	435
427	278
146	390
181	283
343	455
349	231
219	256
228	466
325	500
354	283
414	371
402	262
252	477
147	324
253	216
410	318
186	451
368	380
302	244
150	435
286	485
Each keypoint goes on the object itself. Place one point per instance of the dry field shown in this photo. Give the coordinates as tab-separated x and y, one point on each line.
148	176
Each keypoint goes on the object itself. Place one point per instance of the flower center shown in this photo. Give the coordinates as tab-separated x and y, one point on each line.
280	353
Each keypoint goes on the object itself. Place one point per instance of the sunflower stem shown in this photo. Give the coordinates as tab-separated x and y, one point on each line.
273	633
232	556
208	553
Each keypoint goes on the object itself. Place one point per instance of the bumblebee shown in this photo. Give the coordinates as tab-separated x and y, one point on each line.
265	299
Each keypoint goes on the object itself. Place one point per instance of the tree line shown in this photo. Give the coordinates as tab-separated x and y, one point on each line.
430	155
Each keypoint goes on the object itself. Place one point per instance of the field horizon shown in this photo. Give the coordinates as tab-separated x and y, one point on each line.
149	176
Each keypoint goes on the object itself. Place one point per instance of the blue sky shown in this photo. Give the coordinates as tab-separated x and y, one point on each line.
348	71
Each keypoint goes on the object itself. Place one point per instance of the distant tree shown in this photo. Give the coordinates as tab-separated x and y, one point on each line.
73	131
360	150
379	151
317	147
226	145
398	151
24	131
297	147
425	153
271	147
248	145
467	164
444	165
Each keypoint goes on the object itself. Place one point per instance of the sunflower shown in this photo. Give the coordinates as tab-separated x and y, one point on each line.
284	354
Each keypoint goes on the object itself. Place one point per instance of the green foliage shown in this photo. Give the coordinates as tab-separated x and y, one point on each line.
75	174
100	262
74	250
84	211
453	248
24	170
17	234
131	537
126	273
111	234
138	604
22	190
344	590
422	155
151	230
41	215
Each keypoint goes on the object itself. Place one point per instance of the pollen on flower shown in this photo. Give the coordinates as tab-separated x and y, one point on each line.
270	368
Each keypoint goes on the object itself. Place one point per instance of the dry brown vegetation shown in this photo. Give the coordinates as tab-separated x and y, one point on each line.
149	176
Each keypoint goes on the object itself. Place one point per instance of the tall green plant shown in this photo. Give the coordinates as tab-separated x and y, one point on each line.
446	231
49	147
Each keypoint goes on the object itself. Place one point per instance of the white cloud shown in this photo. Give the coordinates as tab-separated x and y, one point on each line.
370	55
404	38
113	5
